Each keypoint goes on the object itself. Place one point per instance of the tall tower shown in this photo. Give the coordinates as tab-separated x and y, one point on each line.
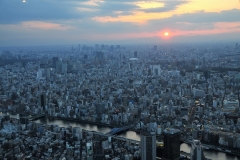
43	100
120	57
135	54
155	48
148	146
55	59
197	151
171	144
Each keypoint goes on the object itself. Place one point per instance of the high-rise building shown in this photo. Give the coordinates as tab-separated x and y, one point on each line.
159	149
102	46
155	48
197	151
206	74
77	132
156	70
135	54
198	93
204	62
39	74
148	146
99	58
96	47
64	67
58	66
171	144
120	57
79	48
43	100
55	59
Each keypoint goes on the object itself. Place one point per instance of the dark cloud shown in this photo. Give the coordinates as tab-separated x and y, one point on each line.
12	11
111	8
168	6
116	6
15	11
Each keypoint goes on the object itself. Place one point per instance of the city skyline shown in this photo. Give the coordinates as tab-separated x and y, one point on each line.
32	22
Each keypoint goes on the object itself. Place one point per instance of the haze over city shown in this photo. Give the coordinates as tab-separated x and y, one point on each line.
57	22
119	80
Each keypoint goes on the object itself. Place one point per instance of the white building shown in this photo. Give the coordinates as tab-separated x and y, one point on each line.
39	74
230	105
198	93
156	69
197	151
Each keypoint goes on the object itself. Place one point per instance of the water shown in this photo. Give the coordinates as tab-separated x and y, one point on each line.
85	126
214	155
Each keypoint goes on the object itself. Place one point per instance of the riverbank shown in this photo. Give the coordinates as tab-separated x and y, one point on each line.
131	134
88	122
214	148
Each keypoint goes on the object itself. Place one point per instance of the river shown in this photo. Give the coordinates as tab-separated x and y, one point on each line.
214	155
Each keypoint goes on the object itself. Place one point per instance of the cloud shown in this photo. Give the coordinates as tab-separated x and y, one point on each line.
195	21
12	11
168	6
204	17
44	25
106	20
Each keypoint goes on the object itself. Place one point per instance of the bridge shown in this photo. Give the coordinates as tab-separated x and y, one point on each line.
118	130
185	154
38	116
126	139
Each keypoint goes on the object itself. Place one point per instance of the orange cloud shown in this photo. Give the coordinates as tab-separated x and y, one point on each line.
208	6
192	6
220	27
149	4
136	17
44	25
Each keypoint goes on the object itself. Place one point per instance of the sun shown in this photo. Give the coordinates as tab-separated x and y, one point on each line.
166	34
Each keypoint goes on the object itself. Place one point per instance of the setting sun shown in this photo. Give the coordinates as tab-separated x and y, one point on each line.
166	34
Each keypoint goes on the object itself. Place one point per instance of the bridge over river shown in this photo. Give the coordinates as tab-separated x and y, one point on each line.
118	130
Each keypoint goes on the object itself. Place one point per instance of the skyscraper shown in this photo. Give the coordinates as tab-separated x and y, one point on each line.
155	48
148	146
203	62
64	67
120	57
135	54
43	101
197	151
55	59
96	47
58	66
171	144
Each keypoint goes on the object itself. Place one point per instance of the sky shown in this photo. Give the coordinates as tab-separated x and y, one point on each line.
57	22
